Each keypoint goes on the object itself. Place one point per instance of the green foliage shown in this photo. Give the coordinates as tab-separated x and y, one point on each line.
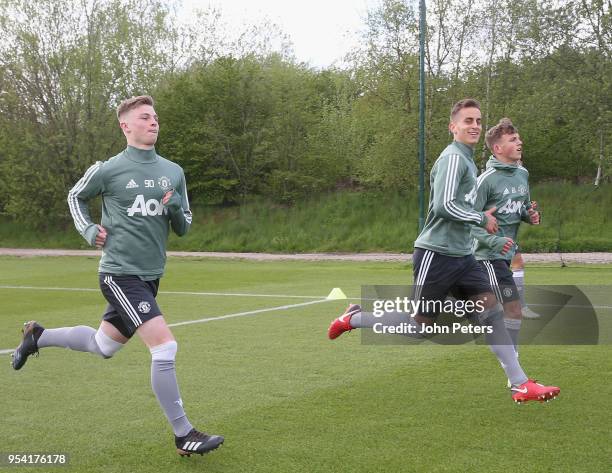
64	66
246	120
574	219
239	126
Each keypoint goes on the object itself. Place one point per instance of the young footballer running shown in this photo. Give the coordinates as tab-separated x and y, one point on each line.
443	258
143	195
504	185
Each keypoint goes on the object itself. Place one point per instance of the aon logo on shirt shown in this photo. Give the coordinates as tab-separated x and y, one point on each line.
151	207
511	207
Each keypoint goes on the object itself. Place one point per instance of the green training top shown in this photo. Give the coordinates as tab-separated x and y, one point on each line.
451	203
506	187
132	185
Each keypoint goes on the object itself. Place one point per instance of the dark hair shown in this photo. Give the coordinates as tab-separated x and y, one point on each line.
504	127
129	104
465	103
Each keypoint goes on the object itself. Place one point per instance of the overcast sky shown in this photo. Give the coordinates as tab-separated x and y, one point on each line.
322	31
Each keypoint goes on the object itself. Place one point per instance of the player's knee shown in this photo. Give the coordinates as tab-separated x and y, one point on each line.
164	352
490	315
514	312
489	301
106	345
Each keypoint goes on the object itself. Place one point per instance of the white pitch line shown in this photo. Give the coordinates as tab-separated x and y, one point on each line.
240	294
234	294
573	306
251	312
228	316
41	288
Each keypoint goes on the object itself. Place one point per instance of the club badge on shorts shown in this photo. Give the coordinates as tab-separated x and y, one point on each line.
144	307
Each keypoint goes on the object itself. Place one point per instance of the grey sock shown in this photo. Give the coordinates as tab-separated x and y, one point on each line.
367	320
359	320
80	338
501	344
165	387
513	326
519	280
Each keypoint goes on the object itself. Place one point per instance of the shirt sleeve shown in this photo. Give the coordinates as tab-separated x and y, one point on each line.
484	197
524	210
447	203
88	187
178	208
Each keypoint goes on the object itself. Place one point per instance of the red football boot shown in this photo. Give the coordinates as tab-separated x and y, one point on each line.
533	391
343	323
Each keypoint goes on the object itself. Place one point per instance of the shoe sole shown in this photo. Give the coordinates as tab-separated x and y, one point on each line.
183	453
546	397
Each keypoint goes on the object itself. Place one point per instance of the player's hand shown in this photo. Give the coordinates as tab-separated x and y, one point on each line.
507	246
534	205
534	217
101	237
167	196
491	225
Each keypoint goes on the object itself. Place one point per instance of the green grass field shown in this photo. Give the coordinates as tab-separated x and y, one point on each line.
286	398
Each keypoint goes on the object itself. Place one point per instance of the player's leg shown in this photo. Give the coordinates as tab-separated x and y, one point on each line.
157	336
351	318
354	317
513	318
135	302
518	274
145	318
105	341
475	284
502	282
431	276
524	389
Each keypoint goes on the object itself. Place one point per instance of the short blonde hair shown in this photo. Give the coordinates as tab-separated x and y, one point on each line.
504	127
131	103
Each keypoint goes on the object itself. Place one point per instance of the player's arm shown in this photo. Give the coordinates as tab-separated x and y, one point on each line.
529	213
447	204
525	209
485	199
88	187
177	203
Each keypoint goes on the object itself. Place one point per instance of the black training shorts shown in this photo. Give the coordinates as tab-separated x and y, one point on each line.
500	277
131	301
437	275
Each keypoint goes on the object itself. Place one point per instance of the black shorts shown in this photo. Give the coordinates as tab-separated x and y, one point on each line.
436	276
131	301
500	277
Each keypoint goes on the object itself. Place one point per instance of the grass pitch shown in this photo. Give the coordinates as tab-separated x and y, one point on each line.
286	398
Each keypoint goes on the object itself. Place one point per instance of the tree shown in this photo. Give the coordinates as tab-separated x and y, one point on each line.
65	66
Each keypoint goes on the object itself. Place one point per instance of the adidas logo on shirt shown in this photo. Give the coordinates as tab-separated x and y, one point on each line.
131	185
506	191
